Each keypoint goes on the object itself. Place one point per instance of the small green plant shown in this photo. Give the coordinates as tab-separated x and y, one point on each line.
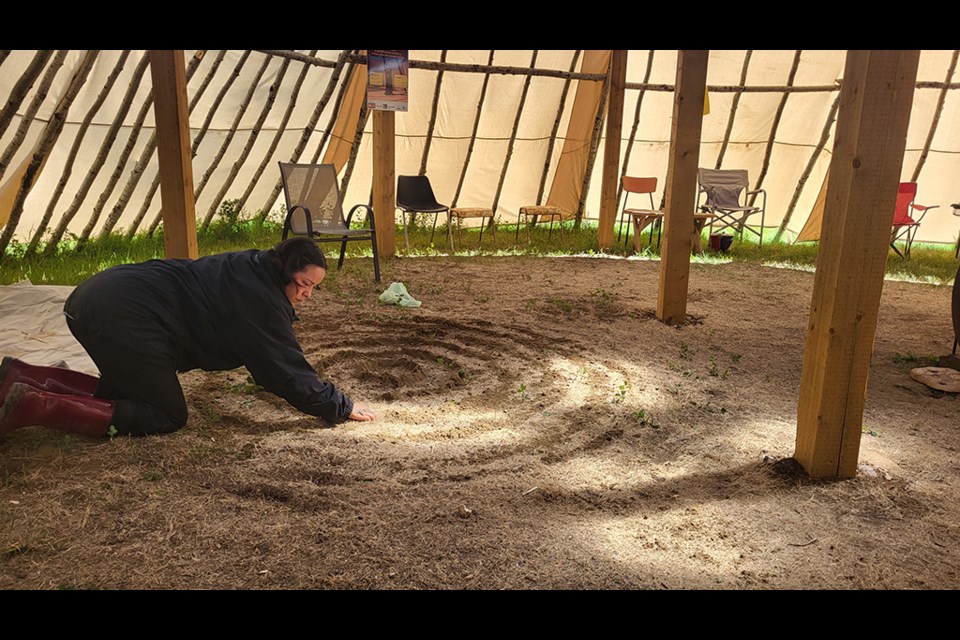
736	357
563	305
621	394
709	407
913	359
522	390
645	420
715	369
112	431
603	301
685	353
247	387
229	212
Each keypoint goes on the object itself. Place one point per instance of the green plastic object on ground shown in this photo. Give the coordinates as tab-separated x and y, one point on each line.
397	293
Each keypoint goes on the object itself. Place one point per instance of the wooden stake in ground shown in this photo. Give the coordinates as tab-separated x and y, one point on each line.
875	103
384	182
681	192
173	154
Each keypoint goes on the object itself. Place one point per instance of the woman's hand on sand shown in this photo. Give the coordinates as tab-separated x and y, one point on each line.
359	413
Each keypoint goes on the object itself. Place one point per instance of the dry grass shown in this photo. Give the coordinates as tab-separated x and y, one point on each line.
539	429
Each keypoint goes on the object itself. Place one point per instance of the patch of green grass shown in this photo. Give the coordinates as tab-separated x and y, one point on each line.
914	360
71	261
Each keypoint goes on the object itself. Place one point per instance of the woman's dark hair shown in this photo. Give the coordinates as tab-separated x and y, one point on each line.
294	254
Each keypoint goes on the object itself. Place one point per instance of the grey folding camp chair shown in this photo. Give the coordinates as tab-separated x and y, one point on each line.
314	209
729	198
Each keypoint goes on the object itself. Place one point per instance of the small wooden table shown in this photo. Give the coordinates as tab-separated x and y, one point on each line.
643	219
474	212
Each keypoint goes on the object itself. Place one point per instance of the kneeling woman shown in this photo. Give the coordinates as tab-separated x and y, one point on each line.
143	323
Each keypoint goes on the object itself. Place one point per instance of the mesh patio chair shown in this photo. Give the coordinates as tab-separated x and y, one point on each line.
727	192
315	209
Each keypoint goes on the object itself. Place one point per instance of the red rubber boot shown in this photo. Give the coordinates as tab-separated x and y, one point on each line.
81	415
56	379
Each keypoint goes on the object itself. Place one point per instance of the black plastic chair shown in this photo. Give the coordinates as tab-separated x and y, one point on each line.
415	195
314	209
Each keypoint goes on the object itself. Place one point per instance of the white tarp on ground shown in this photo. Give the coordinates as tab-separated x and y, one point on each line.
33	327
802	121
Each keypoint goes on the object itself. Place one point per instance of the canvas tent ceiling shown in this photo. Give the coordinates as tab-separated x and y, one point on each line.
250	109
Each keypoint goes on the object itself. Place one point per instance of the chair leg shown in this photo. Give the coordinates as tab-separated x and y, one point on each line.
406	233
493	227
460	232
450	231
376	255
434	230
483	223
343	252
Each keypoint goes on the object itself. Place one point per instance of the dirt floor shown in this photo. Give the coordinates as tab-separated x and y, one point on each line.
539	429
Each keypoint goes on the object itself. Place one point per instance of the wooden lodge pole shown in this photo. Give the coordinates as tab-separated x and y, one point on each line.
384	182
173	153
681	189
875	102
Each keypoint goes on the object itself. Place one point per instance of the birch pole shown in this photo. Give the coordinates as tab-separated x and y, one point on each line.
20	90
251	139
47	139
27	120
101	158
67	170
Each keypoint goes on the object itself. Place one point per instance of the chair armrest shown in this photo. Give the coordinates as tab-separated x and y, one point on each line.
762	192
287	227
922	209
370	217
702	206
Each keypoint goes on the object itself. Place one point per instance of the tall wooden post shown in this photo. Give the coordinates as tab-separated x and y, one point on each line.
384	182
681	186
617	77
875	102
173	153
